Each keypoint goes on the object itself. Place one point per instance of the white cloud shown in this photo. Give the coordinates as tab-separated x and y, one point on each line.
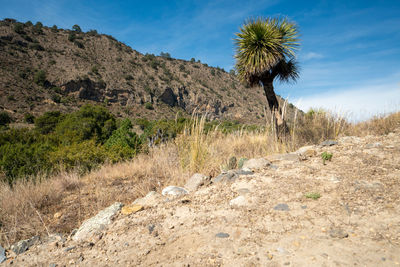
311	55
356	103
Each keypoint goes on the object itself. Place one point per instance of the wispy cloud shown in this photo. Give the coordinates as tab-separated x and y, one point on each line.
311	55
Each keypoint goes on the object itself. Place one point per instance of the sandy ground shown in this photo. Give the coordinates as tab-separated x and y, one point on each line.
356	221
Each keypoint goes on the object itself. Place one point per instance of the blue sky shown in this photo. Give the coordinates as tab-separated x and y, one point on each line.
349	55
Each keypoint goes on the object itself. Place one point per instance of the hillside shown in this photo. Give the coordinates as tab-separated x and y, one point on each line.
287	209
46	69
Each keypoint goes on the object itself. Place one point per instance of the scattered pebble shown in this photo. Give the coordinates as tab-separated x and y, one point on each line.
222	235
338	233
282	207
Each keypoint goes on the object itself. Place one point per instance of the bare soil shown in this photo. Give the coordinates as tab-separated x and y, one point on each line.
356	220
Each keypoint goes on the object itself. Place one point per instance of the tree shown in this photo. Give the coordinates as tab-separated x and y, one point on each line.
76	28
265	52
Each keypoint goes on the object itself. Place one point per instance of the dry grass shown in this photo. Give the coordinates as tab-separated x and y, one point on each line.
27	209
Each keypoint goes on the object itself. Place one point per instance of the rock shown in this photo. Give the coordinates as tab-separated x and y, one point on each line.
239	201
98	222
338	233
227	177
293	157
255	164
23	245
174	191
20	247
2	254
196	181
52	265
222	235
282	207
127	210
329	143
374	145
169	97
151	199
282	250
69	248
306	151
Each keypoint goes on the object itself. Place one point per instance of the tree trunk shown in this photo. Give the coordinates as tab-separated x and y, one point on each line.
282	131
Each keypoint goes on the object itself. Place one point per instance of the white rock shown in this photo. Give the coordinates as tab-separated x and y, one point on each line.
98	222
239	201
174	191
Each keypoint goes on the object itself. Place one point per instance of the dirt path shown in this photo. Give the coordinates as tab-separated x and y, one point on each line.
356	221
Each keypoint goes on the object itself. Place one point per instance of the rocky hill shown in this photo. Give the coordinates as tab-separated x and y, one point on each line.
286	209
46	69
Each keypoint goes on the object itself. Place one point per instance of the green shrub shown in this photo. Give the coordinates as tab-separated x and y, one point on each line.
38	28
90	122
4	118
165	55
36	46
29	118
313	195
192	60
123	143
92	33
83	156
71	36
54	28
46	123
95	70
40	77
29	23
19	27
149	105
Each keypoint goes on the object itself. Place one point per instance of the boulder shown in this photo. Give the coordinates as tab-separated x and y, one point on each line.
196	181
151	199
98	222
255	164
23	245
231	176
174	191
306	151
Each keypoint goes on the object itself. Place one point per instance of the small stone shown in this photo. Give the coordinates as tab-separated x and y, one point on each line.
383	259
324	255
127	210
222	235
255	164
52	265
69	248
57	215
174	191
329	143
239	201
338	233
151	228
282	250
2	254
286	263
282	207
304	207
196	181
243	191
269	255
374	145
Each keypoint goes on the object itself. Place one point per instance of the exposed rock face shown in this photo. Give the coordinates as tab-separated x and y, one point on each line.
87	89
168	97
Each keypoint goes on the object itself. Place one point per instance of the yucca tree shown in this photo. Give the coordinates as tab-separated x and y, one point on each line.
265	51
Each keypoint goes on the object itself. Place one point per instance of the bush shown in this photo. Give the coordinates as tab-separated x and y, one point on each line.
46	123
37	29
19	28
71	36
84	156
165	55
40	77
54	28
92	33
90	122
148	105
123	143
4	118
29	23
192	60
29	118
